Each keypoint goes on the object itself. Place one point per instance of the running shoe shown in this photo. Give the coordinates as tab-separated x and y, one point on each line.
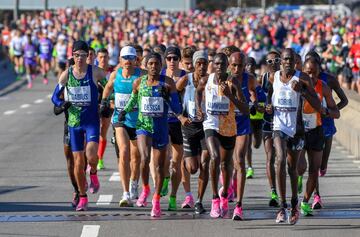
317	204
83	204
165	187
250	173
100	165
141	202
215	208
199	209
294	216
75	200
94	183
300	184
30	85
238	214
189	202
274	201
224	206
281	216
172	204
322	172
45	81
155	211
306	209
125	201
134	193
231	193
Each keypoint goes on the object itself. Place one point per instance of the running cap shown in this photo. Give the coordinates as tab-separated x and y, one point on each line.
335	40
80	45
200	54
128	51
173	50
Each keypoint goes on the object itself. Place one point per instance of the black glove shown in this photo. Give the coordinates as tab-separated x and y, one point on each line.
63	107
253	110
121	117
58	110
165	94
105	110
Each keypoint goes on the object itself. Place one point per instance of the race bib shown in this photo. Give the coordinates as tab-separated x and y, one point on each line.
152	106
191	109
218	105
29	54
44	48
121	100
78	96
309	121
286	101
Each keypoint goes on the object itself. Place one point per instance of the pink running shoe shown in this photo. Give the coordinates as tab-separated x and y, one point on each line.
224	206
238	214
156	210
30	85
215	208
94	183
322	172
83	204
231	193
317	203
188	203
141	202
45	81
75	200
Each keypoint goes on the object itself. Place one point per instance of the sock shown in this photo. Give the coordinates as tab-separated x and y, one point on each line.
273	190
82	195
188	194
294	202
93	172
28	77
127	194
238	204
156	197
146	188
216	196
102	146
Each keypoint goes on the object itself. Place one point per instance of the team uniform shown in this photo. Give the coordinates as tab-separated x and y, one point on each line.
45	49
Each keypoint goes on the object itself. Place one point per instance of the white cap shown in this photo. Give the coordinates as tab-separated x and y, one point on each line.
128	51
335	40
61	37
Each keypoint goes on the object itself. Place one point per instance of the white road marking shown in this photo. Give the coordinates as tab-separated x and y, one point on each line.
352	157
38	101
104	200
9	112
115	177
90	231
24	106
340	147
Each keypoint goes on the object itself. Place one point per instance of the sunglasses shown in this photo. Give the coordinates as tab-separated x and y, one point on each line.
129	57
82	55
174	58
273	61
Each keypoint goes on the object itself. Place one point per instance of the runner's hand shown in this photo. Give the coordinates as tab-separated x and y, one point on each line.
225	89
296	86
184	121
121	117
104	109
269	109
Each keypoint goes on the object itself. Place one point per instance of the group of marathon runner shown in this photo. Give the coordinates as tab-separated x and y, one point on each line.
179	107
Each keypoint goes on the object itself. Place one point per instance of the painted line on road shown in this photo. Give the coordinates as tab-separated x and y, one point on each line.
352	157
24	106
90	231
104	200
344	151
38	101
9	112
115	177
339	147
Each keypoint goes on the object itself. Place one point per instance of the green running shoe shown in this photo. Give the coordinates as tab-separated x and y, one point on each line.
165	187
300	184
249	173
274	201
172	204
306	209
100	165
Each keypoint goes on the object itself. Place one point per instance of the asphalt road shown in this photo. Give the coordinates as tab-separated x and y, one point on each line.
35	192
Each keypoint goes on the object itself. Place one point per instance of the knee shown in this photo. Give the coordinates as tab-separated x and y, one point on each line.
292	170
204	165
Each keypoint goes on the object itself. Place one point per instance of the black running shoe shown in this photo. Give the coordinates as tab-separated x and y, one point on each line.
199	209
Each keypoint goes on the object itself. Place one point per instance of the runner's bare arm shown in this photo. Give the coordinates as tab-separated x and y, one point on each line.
335	86
307	91
239	100
109	86
181	83
332	110
199	94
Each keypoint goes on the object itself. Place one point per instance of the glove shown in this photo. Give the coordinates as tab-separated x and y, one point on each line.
64	106
121	117
58	110
105	109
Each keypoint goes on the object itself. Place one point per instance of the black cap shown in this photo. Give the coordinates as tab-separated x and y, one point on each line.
80	45
173	50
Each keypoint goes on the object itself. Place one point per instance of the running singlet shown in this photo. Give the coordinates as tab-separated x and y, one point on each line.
171	116
16	44
286	104
268	118
243	126
61	53
311	117
327	123
122	91
83	96
45	49
29	54
220	115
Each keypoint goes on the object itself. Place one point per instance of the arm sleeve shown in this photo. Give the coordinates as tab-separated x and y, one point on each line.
175	103
56	95
260	94
132	102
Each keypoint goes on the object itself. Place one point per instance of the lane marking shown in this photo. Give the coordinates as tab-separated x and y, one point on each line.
104	200
352	156
115	177
9	112
90	231
339	147
24	106
39	101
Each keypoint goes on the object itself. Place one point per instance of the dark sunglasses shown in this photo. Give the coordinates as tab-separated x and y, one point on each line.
129	57
174	58
273	61
78	55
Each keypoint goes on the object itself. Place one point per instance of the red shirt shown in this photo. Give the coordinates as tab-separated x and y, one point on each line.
355	54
